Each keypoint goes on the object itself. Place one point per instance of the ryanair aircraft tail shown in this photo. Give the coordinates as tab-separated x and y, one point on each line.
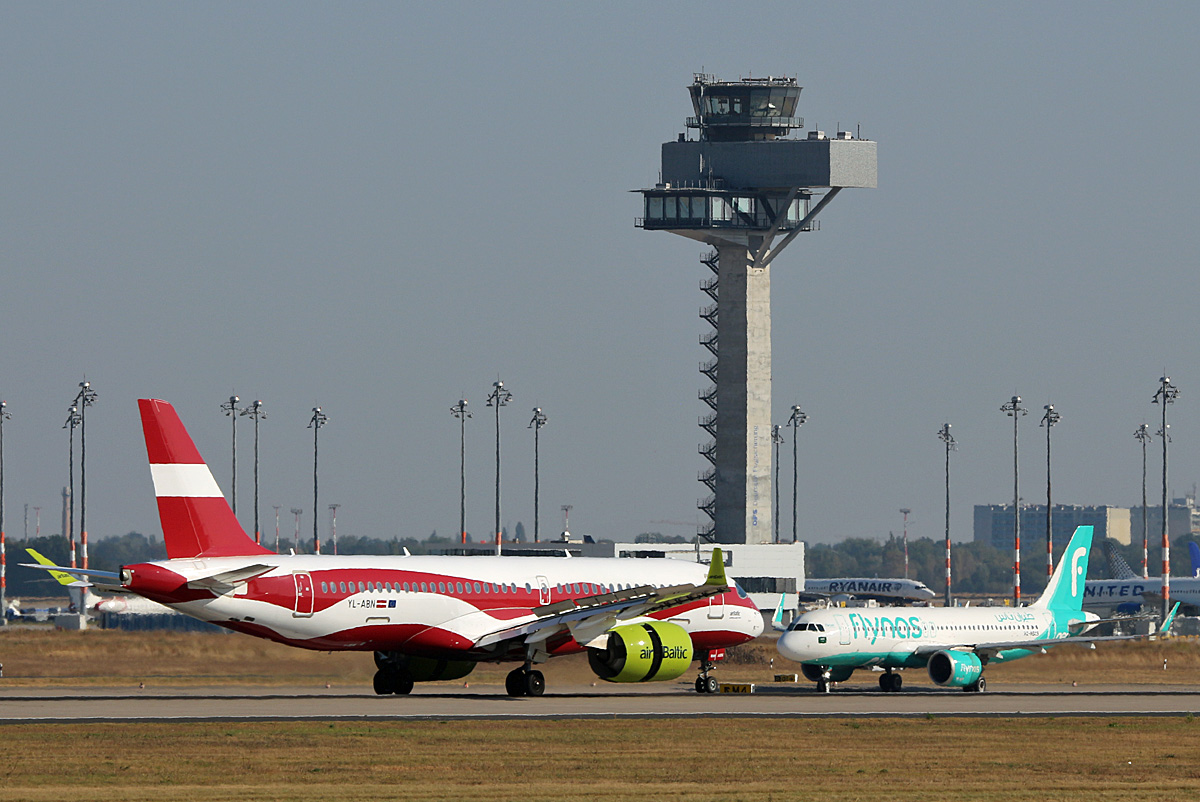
1065	590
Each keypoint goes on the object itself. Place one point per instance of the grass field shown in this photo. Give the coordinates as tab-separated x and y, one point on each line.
44	657
659	758
643	759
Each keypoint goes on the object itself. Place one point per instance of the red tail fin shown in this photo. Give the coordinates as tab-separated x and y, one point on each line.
196	519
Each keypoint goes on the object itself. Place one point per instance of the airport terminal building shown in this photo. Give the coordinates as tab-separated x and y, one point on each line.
994	523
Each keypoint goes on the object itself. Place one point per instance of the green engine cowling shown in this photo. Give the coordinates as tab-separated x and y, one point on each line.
650	652
954	669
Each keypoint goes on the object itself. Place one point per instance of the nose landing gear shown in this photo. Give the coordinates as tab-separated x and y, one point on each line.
706	683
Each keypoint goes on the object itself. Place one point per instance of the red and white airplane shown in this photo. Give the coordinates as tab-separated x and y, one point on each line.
428	617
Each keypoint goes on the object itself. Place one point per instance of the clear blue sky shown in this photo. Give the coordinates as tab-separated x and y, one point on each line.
381	207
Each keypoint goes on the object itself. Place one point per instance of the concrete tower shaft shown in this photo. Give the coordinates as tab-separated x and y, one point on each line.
748	191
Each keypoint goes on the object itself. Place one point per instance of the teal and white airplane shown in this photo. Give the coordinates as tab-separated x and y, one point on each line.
954	644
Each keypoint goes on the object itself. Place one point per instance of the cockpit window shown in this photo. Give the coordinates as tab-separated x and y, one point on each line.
741	593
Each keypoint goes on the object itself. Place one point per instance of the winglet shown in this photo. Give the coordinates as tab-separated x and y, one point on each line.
1170	619
63	577
716	570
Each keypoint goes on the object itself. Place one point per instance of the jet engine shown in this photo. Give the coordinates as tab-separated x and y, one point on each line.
815	673
650	652
955	669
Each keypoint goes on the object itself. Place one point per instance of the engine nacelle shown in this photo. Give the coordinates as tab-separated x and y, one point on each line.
650	652
954	669
815	673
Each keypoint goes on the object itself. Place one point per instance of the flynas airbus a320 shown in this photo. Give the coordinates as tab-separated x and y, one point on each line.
428	618
953	644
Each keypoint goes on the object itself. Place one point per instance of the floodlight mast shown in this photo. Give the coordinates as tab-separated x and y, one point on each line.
499	397
71	423
1142	433
5	415
905	511
276	506
1166	394
539	420
231	411
255	411
745	189
315	423
1048	420
796	420
333	508
296	511
461	412
1014	410
84	399
951	445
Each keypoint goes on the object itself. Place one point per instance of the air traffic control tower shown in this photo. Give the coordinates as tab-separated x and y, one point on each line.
747	190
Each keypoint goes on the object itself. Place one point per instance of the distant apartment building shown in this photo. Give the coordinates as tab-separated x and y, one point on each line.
1183	518
994	524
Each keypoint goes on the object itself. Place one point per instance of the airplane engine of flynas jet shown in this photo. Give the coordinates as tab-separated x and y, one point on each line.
427	618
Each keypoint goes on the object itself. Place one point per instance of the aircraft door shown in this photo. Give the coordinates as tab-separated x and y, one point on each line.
716	606
304	595
543	590
843	629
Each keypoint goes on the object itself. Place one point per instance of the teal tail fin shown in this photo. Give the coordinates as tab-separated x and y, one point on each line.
1170	619
1065	590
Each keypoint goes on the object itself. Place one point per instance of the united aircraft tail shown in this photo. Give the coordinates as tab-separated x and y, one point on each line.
1194	552
1065	589
196	519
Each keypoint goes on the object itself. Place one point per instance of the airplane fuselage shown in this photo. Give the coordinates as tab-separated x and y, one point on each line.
433	606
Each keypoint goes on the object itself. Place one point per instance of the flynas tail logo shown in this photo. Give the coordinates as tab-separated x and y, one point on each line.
1076	570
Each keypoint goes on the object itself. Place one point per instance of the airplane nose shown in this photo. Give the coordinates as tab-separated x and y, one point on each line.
786	646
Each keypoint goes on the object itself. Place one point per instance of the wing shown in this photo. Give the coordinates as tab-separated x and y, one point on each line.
992	648
590	617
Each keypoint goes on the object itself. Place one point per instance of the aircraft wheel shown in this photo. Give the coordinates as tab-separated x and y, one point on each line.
514	683
981	685
382	682
711	686
822	686
701	685
535	683
402	685
885	682
897	682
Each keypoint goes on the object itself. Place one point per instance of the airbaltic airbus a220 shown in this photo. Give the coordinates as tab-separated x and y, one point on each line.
954	644
428	617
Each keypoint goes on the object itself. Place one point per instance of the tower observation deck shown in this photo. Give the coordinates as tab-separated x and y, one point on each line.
746	189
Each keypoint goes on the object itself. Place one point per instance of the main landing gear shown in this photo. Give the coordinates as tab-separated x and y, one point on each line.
705	683
978	686
890	682
391	677
525	681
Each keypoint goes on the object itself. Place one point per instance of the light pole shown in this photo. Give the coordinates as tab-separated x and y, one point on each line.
4	415
1014	409
1048	420
539	420
276	506
72	422
498	398
461	412
231	409
37	522
796	420
1166	394
1142	433
951	445
905	511
776	440
255	411
84	399
333	524
315	423
296	511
